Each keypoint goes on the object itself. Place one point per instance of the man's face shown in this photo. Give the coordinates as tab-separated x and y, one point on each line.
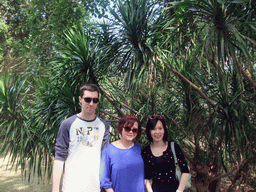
88	102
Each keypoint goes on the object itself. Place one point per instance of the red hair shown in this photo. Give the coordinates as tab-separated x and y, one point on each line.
129	120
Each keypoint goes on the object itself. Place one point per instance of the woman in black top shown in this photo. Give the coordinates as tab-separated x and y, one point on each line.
159	161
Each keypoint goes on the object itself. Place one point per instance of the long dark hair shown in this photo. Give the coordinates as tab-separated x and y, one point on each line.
151	125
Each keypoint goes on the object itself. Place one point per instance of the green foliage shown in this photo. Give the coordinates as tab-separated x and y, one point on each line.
34	27
3	38
193	61
14	133
97	8
81	59
132	22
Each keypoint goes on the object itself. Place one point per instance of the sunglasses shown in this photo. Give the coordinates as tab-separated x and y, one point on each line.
88	100
128	129
156	117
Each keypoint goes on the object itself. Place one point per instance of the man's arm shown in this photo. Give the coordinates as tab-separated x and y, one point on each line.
56	175
105	140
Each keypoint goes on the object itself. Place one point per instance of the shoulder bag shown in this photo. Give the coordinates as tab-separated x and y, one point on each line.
177	168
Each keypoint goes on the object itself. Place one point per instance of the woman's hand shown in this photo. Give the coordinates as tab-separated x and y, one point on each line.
148	186
109	190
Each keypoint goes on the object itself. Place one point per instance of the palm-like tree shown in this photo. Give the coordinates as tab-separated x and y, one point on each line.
81	59
198	55
205	48
33	129
193	62
132	23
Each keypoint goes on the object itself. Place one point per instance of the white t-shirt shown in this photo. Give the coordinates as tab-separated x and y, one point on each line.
79	143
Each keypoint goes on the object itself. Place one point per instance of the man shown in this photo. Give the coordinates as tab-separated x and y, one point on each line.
79	143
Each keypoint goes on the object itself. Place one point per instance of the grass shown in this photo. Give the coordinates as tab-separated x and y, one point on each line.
11	180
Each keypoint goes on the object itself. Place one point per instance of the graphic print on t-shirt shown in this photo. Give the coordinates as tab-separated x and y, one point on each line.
88	135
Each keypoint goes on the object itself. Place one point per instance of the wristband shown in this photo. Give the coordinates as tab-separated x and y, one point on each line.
178	190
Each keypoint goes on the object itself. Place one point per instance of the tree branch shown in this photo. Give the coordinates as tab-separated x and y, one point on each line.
180	76
112	101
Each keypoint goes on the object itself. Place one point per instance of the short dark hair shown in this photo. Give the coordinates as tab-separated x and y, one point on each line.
129	120
151	125
89	87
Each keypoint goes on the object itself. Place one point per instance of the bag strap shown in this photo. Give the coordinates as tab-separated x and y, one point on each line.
174	154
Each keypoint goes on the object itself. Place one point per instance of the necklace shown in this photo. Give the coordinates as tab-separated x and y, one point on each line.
158	151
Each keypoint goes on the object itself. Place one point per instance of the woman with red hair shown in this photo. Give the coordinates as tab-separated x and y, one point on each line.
122	164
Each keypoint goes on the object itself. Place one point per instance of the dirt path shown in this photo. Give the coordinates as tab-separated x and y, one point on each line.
11	181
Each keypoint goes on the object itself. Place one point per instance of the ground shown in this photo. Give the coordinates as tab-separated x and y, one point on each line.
11	180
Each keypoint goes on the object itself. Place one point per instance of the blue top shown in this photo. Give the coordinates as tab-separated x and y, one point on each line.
122	169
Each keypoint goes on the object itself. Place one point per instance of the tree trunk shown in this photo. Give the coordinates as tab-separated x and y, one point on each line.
204	179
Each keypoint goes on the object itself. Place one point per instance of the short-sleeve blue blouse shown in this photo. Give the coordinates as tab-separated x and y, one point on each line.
122	169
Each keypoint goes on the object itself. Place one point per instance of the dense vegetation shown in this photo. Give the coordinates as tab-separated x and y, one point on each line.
193	61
